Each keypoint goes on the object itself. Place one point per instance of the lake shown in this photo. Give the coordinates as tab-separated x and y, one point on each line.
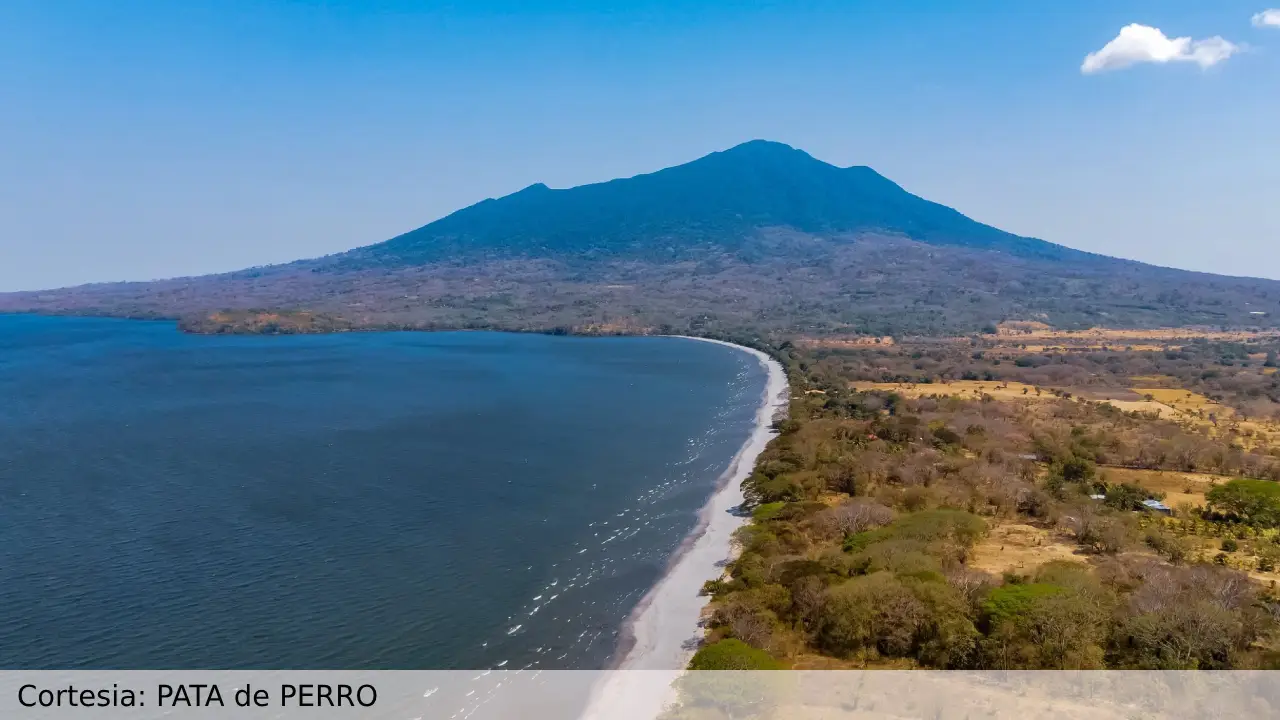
362	500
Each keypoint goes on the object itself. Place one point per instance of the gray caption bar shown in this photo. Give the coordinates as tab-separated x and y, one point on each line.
633	695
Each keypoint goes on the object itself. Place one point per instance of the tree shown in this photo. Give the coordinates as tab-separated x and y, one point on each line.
1184	636
1256	502
1126	497
854	516
1074	469
732	654
898	617
1058	622
873	612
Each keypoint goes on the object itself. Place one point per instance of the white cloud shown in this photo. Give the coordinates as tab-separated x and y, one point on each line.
1267	18
1142	44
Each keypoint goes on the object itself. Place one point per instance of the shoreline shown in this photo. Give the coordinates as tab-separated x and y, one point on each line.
661	634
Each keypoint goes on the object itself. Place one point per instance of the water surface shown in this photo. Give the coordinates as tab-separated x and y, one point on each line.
380	500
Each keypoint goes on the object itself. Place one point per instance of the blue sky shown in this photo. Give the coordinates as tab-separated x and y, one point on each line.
154	139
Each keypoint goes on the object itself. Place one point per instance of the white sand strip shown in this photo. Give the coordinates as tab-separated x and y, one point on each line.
664	629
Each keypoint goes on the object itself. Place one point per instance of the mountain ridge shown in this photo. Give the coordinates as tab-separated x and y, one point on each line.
723	194
760	238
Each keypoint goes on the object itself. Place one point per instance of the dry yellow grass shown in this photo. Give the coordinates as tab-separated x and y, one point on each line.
1192	410
975	389
853	341
1080	347
1185	401
959	388
1154	380
1016	338
1039	331
1021	549
1197	410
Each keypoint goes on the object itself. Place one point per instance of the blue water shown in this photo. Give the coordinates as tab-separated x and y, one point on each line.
382	500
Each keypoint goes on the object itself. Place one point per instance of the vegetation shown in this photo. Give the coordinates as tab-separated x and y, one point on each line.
881	523
732	654
1253	502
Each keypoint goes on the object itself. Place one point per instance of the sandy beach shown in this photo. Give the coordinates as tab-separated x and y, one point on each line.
664	630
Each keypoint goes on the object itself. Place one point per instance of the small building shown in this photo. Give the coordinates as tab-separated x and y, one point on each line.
1157	506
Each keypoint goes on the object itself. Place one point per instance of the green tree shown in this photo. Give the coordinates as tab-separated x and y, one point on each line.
898	617
1058	622
873	612
732	654
1073	469
1256	502
1126	497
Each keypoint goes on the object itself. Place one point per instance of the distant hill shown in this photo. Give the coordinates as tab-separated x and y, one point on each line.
760	238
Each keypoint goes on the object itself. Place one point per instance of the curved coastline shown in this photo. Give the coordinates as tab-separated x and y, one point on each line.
660	636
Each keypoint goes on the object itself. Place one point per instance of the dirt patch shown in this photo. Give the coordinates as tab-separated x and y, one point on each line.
1144	406
1021	549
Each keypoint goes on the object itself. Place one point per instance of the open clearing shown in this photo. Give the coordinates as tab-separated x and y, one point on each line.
1021	549
973	389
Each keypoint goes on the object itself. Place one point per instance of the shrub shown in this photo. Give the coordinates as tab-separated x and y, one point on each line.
1011	601
901	556
941	524
1172	548
1198	635
1047	625
874	612
768	511
732	654
1230	545
853	517
898	617
946	436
